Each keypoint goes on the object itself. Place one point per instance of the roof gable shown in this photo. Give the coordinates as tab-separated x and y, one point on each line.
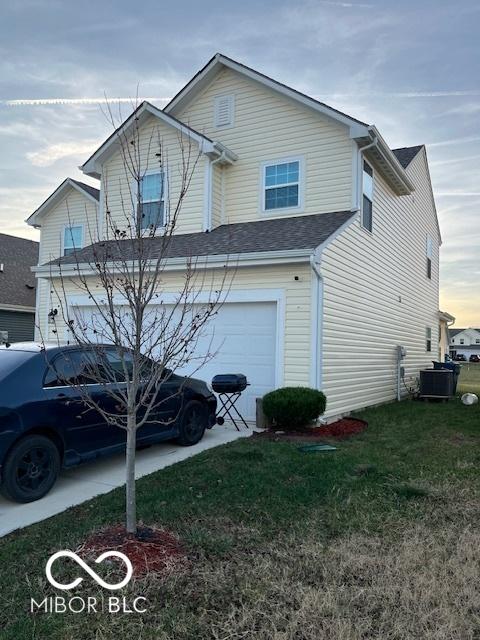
416	156
365	135
203	78
92	166
469	331
57	196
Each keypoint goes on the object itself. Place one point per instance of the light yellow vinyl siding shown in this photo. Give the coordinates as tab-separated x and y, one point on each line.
267	127
75	208
377	296
119	184
297	308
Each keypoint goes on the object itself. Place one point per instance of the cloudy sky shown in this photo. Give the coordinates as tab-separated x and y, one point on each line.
411	67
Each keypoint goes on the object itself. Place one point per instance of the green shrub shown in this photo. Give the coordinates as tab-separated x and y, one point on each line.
293	407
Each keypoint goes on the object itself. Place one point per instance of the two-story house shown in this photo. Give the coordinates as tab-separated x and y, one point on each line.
465	342
335	236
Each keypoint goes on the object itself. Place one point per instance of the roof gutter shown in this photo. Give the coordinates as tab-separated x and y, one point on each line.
390	159
393	171
254	258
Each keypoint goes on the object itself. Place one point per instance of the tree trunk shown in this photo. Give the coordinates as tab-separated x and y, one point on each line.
131	503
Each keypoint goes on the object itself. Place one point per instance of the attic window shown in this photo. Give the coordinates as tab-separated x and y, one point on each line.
224	111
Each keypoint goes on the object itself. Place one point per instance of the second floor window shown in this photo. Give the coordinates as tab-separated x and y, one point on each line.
281	185
429	257
72	239
367	203
428	339
152	201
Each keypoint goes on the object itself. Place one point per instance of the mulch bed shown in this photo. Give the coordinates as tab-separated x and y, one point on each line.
340	430
152	550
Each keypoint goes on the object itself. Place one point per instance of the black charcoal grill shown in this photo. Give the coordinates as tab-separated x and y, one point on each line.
229	387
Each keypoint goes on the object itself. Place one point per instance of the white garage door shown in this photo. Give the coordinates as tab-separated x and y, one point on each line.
242	337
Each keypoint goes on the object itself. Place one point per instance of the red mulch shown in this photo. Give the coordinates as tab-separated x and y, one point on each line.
341	429
152	550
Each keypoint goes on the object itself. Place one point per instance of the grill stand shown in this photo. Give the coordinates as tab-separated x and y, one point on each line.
228	401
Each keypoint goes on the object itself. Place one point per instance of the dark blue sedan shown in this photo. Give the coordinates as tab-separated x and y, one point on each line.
45	424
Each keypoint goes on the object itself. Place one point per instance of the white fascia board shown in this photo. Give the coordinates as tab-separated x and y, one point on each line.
16	307
203	78
55	198
391	159
257	258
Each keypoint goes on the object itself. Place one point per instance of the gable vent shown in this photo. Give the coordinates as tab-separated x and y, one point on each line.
224	111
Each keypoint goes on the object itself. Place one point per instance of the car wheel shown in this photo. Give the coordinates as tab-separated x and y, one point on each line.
192	424
31	469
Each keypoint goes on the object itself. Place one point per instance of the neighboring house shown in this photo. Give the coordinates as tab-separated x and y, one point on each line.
464	341
334	235
445	320
17	288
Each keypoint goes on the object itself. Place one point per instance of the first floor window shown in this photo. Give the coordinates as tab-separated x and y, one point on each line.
367	203
151	201
281	185
72	239
428	335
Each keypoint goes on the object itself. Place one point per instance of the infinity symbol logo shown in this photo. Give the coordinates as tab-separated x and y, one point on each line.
87	569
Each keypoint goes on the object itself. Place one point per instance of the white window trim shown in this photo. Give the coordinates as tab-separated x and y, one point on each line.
69	226
362	160
428	338
231	99
160	230
301	186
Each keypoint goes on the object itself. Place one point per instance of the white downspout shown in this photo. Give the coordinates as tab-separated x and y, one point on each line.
317	322
209	190
361	151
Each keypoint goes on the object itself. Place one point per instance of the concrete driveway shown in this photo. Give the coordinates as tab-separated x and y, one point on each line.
79	484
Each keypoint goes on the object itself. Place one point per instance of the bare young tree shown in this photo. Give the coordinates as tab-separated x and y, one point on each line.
123	274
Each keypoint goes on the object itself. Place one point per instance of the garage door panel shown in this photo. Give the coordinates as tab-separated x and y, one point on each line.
242	339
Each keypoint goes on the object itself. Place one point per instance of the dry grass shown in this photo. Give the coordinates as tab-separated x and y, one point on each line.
421	581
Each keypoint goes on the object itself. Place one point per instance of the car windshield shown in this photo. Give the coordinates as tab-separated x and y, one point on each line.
11	359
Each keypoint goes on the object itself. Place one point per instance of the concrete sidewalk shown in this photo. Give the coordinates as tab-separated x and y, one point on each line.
79	484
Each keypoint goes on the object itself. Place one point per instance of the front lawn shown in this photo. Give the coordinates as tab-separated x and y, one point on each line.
379	539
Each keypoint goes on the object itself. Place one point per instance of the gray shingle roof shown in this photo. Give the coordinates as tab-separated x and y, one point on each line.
406	154
453	332
280	234
17	256
95	193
